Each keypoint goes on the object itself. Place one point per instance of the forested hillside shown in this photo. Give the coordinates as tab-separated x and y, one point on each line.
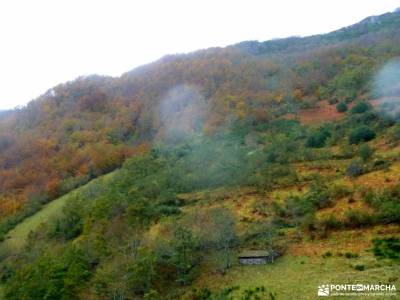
284	144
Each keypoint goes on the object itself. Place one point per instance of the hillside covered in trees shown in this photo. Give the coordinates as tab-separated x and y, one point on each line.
290	145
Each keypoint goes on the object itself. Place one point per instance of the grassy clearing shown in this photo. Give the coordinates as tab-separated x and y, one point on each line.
297	276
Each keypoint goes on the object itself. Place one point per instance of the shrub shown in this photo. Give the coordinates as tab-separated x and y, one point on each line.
67	227
200	294
355	169
333	100
369	117
327	254
359	267
360	107
339	191
319	196
386	204
380	164
309	223
307	204
357	218
394	133
70	225
318	138
365	152
361	134
351	255
330	223
166	210
389	212
341	107
387	247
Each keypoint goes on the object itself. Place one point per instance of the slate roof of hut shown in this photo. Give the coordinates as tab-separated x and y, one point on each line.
254	253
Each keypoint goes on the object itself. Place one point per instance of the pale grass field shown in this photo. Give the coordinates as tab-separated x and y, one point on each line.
297	277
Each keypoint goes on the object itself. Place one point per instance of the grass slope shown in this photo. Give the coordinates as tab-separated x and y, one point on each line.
297	277
16	238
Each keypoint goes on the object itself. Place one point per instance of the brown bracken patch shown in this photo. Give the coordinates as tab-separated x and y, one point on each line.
322	112
340	242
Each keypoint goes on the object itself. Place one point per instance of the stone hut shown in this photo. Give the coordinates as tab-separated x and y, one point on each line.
255	257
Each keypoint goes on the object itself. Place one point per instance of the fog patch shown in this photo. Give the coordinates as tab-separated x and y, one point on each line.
182	112
386	88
